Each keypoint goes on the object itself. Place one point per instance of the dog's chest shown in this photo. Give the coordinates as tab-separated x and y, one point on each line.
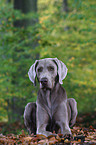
49	101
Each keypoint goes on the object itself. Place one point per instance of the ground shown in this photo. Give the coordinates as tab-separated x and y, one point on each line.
81	135
84	133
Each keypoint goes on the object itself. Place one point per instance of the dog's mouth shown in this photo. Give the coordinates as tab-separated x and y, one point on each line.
44	86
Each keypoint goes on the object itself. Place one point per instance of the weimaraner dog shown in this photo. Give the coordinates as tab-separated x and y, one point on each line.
52	110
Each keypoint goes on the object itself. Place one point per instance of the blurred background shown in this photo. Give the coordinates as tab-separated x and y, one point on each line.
35	29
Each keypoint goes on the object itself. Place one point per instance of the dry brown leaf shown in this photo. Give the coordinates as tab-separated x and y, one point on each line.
41	136
91	127
28	138
58	138
52	138
87	135
43	141
79	140
66	140
52	141
23	133
36	139
90	137
60	135
94	141
52	135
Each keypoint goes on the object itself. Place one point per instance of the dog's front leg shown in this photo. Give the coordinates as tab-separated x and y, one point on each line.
61	118
42	121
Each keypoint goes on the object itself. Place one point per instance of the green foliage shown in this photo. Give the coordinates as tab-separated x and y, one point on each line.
71	38
68	36
16	56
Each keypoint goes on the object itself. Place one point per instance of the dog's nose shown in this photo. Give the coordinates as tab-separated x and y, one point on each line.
44	81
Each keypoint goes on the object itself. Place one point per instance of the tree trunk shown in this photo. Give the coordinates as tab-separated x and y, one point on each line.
65	6
8	1
26	6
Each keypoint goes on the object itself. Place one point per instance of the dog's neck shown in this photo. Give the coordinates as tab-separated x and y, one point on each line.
47	99
48	94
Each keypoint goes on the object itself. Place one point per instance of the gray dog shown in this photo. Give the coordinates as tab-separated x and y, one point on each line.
52	110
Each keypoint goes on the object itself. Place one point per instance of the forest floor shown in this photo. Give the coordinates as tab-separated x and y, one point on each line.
84	132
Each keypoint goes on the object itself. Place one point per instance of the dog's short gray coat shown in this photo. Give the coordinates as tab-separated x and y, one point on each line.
52	110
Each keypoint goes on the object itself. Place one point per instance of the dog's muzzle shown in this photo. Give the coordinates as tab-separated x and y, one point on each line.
44	82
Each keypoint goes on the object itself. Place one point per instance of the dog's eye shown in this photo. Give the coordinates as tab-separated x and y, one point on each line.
40	69
50	68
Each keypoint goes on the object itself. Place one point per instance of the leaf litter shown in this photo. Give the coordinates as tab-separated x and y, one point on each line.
81	135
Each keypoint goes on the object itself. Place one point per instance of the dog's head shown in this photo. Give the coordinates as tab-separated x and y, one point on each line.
48	72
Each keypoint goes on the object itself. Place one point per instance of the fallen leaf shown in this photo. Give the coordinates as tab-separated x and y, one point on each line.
23	133
43	141
79	140
41	135
66	140
58	138
60	135
28	138
90	137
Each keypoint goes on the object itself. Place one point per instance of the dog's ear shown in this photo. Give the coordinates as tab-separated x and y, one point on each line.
32	72
62	70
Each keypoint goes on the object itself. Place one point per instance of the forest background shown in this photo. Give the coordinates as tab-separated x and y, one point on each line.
31	30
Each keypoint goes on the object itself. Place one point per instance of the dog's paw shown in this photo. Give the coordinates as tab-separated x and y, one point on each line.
48	134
